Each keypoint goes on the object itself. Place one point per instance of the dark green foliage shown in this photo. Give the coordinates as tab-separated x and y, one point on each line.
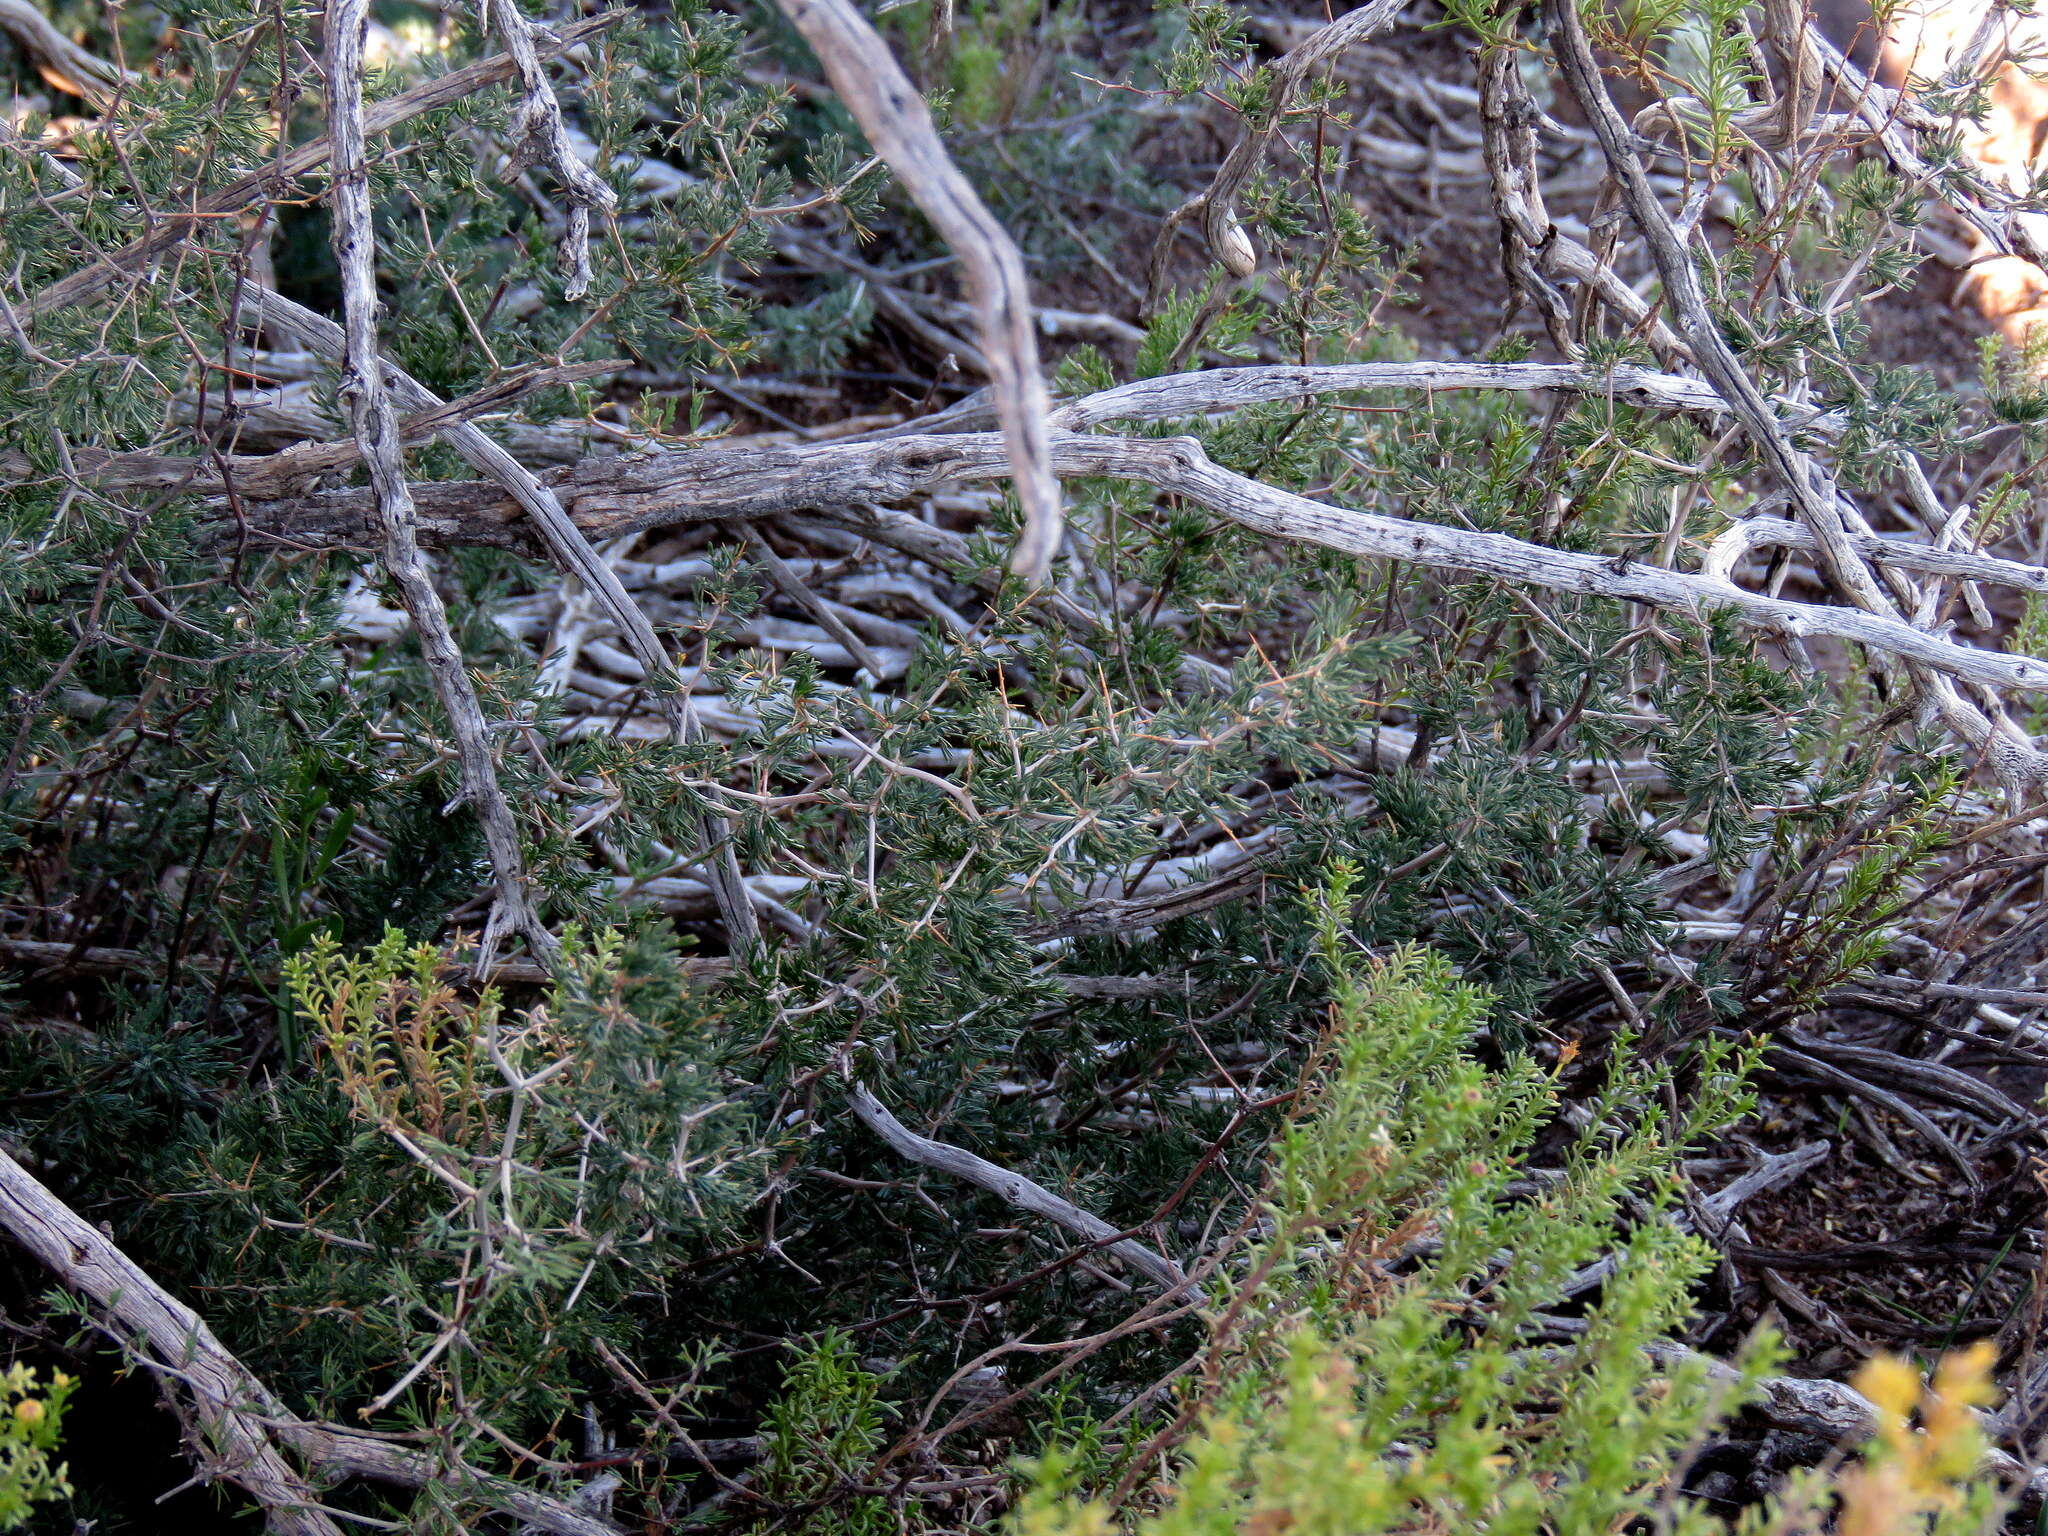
570	1232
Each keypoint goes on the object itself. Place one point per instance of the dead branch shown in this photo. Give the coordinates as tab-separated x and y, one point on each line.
241	1415
59	60
896	121
376	430
1772	1170
232	1405
1757	532
1168	397
267	476
1108	915
792	586
1013	1187
1507	119
571	550
617	496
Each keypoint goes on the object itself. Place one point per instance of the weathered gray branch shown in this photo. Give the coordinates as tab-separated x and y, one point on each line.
541	137
1171	396
896	121
231	1405
1754	533
571	549
289	471
1013	1187
237	1410
376	430
617	496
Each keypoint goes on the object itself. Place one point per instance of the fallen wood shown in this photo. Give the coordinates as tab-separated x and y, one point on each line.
1013	1187
240	1415
608	498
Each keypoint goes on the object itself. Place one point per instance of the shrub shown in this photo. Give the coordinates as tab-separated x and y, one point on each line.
661	907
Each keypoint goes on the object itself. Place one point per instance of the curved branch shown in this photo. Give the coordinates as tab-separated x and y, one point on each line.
238	1410
232	1405
1013	1187
59	60
896	121
1753	533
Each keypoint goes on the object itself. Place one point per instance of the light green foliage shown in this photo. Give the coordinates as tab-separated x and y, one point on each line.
1708	54
822	1433
31	1427
1373	1358
1371	1366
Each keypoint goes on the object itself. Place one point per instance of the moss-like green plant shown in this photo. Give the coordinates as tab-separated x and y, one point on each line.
1399	1351
31	1425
